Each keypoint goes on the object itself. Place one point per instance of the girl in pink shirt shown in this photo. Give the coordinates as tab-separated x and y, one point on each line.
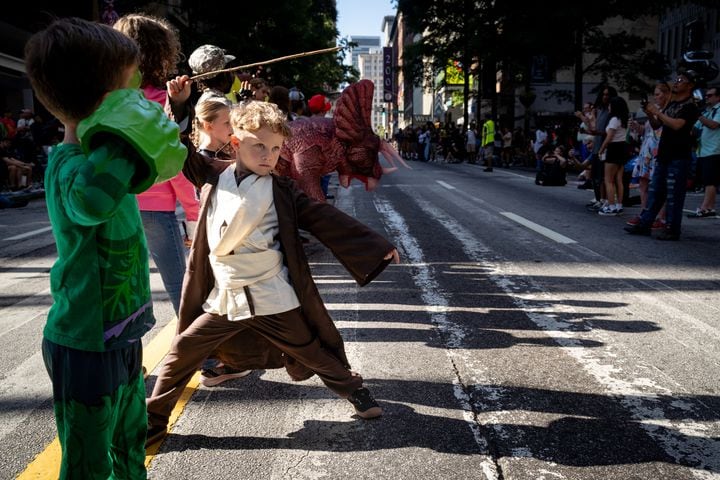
160	51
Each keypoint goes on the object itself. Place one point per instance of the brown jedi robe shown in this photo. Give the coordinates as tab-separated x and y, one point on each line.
358	248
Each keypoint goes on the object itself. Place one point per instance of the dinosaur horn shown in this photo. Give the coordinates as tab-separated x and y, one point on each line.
391	154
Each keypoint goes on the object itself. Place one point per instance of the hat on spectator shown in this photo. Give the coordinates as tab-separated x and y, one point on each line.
208	58
318	104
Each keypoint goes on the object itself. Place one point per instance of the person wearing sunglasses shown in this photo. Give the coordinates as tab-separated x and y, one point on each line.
674	158
709	153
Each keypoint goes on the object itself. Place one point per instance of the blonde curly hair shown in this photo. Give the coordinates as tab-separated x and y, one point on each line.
254	115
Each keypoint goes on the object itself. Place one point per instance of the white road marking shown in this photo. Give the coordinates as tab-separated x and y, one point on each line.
546	232
28	234
430	293
446	185
640	396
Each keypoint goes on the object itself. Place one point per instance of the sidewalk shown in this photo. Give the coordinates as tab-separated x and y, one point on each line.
20	198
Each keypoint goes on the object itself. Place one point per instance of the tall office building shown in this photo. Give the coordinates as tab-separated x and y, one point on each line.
364	44
370	66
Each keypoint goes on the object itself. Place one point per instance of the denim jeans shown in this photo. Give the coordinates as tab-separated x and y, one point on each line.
167	248
668	183
325	183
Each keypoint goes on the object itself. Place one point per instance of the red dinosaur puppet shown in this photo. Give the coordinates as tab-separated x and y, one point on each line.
345	143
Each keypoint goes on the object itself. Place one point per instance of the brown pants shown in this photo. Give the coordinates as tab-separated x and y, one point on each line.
287	331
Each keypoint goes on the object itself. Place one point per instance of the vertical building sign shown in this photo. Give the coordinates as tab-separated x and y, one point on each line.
387	74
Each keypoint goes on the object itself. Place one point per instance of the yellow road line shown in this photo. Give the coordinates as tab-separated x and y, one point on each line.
184	399
47	464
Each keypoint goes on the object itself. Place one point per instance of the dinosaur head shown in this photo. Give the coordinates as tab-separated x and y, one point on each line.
354	129
361	162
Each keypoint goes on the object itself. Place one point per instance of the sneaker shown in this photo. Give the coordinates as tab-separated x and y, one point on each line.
658	224
667	235
619	210
637	230
155	433
215	376
595	206
488	169
702	214
608	211
365	405
634	220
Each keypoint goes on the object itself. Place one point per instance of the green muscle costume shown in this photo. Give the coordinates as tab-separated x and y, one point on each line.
100	282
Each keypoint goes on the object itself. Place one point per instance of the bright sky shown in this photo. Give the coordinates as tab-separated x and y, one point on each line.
362	17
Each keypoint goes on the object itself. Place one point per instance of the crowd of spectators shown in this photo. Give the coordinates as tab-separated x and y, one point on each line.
607	148
25	140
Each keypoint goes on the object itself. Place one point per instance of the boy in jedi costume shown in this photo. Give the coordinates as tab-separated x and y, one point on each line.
248	293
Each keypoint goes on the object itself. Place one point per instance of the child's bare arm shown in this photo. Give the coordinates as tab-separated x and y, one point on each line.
177	100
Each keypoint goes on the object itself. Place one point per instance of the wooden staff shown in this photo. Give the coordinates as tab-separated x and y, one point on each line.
266	62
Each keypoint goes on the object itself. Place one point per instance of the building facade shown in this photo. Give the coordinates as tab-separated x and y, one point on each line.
364	44
370	66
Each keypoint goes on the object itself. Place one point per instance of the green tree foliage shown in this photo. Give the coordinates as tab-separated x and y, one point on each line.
452	30
257	31
507	34
625	60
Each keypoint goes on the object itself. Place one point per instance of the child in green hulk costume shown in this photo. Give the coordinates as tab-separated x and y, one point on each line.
116	144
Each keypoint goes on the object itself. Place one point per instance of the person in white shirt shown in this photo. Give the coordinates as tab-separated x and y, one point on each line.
615	151
470	145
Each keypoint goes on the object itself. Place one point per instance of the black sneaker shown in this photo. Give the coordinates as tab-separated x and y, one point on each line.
365	405
595	206
215	376
637	230
155	433
668	236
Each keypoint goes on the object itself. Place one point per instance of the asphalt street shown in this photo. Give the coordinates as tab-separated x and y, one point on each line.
520	337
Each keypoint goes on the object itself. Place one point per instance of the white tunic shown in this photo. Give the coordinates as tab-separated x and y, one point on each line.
242	227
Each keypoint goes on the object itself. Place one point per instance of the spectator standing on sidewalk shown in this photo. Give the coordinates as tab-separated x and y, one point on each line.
470	142
709	154
541	145
488	141
597	165
669	182
615	152
506	153
645	167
